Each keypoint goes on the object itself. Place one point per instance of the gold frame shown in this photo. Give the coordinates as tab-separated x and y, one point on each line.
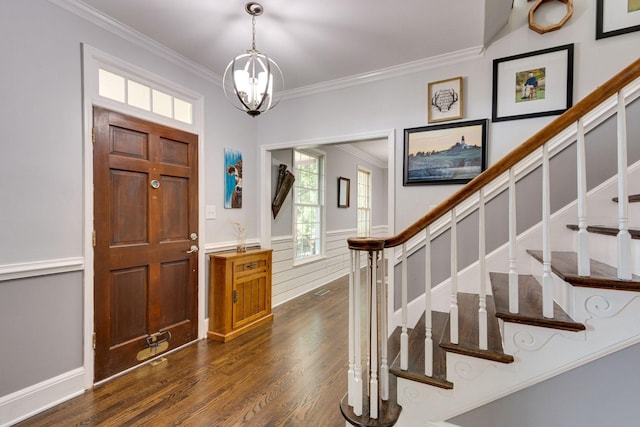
434	112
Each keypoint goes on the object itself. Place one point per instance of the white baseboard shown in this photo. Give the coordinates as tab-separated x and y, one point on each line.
29	401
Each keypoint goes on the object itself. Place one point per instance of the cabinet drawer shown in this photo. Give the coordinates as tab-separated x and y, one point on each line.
250	264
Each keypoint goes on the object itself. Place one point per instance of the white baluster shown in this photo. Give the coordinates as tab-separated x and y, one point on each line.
513	237
584	267
547	280
404	336
624	238
358	385
428	326
373	340
351	369
384	331
453	309
482	310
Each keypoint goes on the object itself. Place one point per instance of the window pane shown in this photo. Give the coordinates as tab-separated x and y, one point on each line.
111	85
139	95
308	204
162	103
182	110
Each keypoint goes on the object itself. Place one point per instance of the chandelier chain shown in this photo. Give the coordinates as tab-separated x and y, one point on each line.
253	25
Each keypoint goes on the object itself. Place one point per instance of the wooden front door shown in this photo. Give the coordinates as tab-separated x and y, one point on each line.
145	221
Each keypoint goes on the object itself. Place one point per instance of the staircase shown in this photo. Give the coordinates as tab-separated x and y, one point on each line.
555	296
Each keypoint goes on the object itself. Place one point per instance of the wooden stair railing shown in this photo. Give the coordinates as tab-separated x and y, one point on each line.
368	401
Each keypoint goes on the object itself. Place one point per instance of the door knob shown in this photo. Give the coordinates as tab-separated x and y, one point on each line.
193	249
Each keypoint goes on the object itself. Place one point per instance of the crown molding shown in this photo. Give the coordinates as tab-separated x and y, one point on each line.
387	73
84	11
360	154
81	9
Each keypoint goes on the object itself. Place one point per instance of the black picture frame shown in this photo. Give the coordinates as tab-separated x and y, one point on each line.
551	92
450	153
344	192
612	20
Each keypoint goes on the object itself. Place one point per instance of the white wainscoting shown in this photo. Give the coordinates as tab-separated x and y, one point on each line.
40	268
29	401
290	281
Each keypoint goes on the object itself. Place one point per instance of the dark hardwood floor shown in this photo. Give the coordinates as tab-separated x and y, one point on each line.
291	373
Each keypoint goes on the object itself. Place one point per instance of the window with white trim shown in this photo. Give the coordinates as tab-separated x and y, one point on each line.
122	89
308	201
364	203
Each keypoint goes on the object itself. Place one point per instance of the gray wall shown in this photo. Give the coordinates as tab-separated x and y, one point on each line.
40	328
601	159
42	181
338	162
41	169
600	393
400	102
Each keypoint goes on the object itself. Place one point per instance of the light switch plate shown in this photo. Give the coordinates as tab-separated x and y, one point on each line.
210	212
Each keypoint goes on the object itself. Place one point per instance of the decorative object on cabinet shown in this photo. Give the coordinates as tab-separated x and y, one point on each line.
453	153
285	182
616	17
545	29
445	100
533	84
344	191
239	292
241	232
233	178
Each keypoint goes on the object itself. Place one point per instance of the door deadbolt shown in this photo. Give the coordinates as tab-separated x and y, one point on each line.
155	183
193	236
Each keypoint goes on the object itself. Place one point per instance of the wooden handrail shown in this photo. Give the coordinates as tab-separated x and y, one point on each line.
591	101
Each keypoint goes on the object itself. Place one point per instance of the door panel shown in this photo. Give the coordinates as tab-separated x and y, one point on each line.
173	299
175	207
145	209
128	216
128	293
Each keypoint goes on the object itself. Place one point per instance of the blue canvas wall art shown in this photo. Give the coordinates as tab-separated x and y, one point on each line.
233	178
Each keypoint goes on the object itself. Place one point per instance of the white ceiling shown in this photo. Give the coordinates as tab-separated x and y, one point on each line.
312	41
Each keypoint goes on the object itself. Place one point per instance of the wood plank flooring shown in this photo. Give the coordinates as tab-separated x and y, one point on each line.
291	373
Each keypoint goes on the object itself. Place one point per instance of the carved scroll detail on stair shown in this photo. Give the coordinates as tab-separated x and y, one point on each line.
601	306
525	340
470	372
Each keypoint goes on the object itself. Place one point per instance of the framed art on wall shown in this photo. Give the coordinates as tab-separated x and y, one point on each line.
233	178
615	17
452	153
344	190
445	100
533	84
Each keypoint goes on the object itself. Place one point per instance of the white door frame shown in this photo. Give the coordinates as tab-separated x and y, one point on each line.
93	59
265	188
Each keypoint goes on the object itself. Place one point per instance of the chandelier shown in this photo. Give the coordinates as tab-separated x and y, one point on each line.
249	79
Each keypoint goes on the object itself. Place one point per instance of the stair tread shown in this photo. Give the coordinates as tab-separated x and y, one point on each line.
468	340
634	198
606	230
529	304
415	369
604	276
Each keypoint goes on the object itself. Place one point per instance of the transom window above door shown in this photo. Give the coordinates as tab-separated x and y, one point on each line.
127	91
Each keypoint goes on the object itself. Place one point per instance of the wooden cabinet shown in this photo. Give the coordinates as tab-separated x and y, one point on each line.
239	292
